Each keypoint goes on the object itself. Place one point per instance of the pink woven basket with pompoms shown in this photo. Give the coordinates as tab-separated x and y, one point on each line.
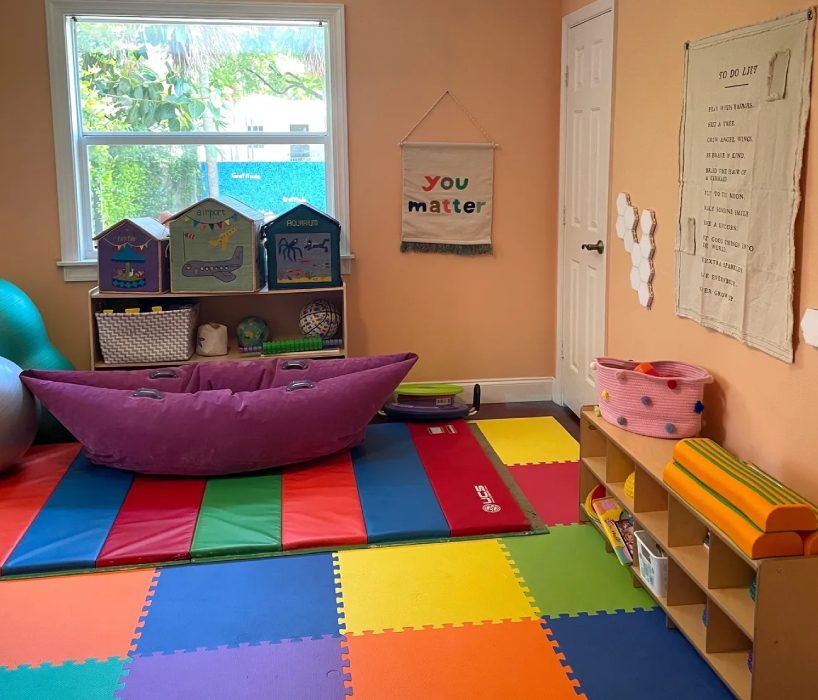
665	405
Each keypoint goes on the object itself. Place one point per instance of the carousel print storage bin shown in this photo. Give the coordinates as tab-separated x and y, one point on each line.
665	405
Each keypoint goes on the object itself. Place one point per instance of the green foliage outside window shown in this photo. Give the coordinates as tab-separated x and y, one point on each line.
176	78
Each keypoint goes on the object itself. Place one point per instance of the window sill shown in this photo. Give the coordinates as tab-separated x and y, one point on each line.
78	270
86	270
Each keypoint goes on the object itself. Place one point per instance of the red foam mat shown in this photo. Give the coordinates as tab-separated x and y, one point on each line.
25	488
320	506
156	522
552	489
471	493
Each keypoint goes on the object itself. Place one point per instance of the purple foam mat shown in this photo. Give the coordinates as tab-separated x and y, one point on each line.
298	669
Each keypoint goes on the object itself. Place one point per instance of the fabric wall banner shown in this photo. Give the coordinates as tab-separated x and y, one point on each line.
741	145
447	197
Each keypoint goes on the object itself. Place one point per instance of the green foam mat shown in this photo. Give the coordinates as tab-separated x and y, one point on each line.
91	680
239	516
588	580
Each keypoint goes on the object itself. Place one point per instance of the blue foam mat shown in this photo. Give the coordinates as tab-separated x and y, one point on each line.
633	655
397	500
69	531
259	600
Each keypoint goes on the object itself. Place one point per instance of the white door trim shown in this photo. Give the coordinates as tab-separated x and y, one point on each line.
580	16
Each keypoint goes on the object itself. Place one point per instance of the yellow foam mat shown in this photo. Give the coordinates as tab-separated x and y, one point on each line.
529	440
443	584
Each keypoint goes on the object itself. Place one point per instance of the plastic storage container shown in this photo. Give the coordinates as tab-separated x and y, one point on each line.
652	563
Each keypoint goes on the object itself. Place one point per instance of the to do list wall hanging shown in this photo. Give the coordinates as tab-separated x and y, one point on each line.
745	112
447	193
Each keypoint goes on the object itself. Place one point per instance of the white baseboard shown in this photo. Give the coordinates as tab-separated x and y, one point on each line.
515	390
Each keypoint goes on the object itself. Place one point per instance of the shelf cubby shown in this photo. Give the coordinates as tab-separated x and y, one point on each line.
780	627
279	307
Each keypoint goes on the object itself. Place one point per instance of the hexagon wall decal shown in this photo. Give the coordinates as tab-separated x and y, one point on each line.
637	233
809	327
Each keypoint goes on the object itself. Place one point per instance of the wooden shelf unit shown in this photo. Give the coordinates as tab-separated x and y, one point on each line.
780	627
279	307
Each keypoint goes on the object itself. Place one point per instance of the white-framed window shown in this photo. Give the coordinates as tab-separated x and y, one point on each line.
158	104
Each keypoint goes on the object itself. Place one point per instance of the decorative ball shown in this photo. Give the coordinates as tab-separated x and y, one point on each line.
320	318
672	384
629	484
622	420
699	407
670	428
646	400
18	415
605	395
252	331
646	368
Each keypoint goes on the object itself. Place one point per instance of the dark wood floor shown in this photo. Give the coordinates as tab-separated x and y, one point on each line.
527	409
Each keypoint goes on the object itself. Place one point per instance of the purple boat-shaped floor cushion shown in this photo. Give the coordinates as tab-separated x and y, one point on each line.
215	418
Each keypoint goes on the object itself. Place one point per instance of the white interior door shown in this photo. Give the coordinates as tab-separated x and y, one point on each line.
588	54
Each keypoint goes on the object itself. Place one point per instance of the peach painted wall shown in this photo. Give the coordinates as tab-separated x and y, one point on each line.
760	407
467	318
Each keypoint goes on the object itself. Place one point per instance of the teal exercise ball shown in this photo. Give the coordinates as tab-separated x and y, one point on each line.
23	338
24	341
18	415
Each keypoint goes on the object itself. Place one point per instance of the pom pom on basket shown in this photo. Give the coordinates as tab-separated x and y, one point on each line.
667	404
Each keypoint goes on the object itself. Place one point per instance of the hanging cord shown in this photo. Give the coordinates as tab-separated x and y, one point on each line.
463	109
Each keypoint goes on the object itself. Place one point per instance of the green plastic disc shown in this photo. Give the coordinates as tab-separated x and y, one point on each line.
428	389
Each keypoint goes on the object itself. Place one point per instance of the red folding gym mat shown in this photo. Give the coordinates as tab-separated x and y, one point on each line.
472	495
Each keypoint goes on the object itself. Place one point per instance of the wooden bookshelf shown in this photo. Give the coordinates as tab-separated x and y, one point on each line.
779	627
279	307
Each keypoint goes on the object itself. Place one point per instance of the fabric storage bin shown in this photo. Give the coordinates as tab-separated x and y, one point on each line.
665	405
652	563
153	336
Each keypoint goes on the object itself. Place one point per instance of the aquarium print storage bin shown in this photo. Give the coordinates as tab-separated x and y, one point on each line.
665	405
215	247
303	250
152	336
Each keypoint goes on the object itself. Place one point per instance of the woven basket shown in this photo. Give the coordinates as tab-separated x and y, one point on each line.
665	406
161	336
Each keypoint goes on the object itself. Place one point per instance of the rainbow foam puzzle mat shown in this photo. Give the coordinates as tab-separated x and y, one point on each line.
484	618
61	513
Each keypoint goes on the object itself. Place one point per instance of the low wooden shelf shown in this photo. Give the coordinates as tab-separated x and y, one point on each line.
780	627
279	307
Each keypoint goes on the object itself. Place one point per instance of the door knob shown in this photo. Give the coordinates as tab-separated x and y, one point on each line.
599	247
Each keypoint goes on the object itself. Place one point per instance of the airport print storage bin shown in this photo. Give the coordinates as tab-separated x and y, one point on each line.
153	336
652	563
667	404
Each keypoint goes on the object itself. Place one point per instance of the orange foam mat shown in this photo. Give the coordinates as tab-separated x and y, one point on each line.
771	505
752	541
71	618
504	660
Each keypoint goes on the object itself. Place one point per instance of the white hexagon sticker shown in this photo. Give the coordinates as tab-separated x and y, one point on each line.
646	270
628	241
647	222
620	226
636	255
645	294
631	217
623	200
809	327
635	278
